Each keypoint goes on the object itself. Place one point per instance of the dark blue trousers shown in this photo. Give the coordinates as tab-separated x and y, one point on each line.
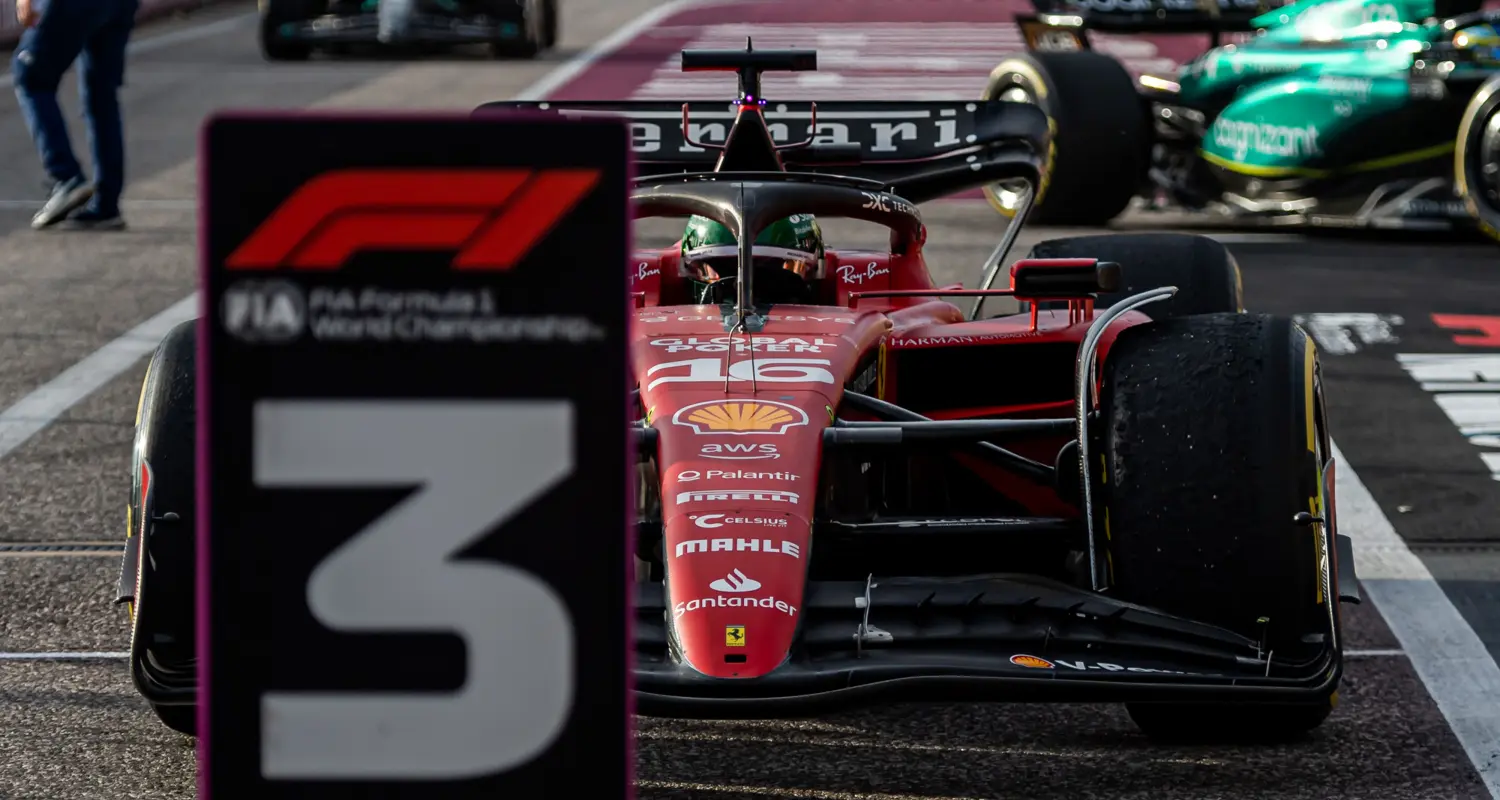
94	33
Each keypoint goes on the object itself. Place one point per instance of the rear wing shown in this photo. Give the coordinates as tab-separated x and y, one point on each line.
1214	17
923	149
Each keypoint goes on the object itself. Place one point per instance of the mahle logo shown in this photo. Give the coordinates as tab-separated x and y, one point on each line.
1262	138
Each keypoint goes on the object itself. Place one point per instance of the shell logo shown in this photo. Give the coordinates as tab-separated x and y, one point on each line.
740	417
1031	662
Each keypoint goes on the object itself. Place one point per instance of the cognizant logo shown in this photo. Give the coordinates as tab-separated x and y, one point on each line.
1266	139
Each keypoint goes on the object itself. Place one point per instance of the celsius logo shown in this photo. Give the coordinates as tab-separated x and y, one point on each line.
720	520
1266	139
735	583
264	311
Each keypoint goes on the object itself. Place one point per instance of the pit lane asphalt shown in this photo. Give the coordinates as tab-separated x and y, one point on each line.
75	729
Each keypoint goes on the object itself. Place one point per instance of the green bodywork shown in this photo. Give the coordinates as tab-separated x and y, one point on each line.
1327	88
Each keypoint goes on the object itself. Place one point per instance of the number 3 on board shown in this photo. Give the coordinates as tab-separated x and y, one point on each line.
476	464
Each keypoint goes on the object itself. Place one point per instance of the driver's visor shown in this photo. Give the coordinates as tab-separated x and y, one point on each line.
800	262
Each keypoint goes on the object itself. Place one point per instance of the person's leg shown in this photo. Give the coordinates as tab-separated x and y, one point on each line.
394	17
101	73
42	56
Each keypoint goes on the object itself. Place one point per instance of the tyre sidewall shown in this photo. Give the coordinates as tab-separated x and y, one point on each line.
165	448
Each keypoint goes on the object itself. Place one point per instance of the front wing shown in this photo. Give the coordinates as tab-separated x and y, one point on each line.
1004	638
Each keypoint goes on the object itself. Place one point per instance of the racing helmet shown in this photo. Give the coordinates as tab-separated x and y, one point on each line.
788	259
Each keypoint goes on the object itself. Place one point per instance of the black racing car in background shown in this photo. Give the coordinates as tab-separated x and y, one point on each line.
290	30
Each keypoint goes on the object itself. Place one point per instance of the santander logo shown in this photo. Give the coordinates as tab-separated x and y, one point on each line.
735	583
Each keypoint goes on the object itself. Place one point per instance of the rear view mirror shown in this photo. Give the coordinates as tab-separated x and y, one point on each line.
1063	278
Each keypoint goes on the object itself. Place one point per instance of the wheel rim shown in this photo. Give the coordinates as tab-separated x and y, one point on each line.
1008	195
1489	154
1477	158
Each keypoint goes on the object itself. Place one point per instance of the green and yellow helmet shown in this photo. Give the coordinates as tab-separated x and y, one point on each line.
788	257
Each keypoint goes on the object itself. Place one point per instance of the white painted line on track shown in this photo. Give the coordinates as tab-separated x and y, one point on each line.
65	656
168	39
1455	666
39	409
1387	652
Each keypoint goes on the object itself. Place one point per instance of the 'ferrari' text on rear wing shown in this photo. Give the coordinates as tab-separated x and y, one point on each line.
878	140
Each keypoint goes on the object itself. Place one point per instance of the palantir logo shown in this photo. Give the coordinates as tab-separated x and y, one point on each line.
272	312
735	583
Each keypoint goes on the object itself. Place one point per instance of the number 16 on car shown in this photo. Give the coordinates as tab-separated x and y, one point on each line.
413	541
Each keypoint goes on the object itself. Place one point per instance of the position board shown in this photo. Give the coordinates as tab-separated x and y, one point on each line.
413	495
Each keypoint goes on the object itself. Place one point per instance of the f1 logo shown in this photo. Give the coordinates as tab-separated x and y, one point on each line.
492	217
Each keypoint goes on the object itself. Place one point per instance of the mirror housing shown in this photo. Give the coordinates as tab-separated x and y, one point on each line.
1063	278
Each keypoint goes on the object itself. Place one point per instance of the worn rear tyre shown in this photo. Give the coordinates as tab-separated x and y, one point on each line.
550	25
1213	438
274	14
533	35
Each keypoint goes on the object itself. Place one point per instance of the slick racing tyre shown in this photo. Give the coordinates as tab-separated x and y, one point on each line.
550	24
1101	138
1212	439
1476	158
276	13
163	612
533	37
1205	273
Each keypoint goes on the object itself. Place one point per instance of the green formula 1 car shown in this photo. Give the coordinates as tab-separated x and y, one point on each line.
1365	113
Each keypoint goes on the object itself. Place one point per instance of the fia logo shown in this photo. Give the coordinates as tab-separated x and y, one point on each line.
272	312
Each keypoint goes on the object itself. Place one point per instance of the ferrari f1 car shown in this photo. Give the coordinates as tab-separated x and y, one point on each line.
290	30
1355	113
858	487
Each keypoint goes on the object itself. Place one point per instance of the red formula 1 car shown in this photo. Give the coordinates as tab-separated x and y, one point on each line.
855	487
